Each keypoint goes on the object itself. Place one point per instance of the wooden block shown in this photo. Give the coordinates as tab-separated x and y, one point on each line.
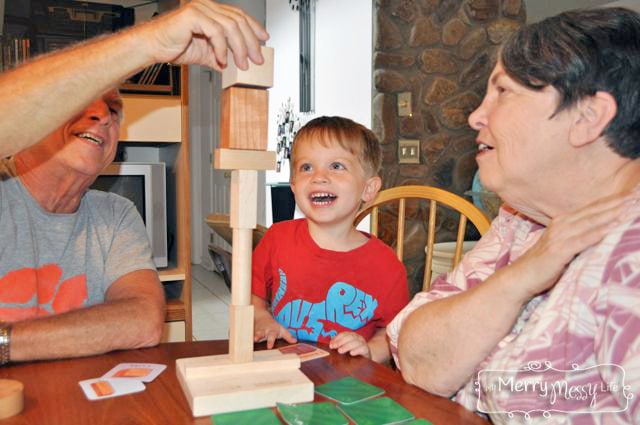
11	397
234	159
241	333
243	120
243	210
229	387
241	266
255	76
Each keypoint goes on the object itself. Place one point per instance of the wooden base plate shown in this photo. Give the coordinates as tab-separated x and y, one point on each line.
214	384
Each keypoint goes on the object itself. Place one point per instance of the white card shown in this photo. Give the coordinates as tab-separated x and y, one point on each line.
145	372
101	388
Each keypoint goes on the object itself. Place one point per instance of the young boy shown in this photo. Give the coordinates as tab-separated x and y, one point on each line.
319	278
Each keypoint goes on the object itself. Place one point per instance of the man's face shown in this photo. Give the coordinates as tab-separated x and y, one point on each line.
87	142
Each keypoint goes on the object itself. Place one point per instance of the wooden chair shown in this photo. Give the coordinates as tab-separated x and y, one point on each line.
436	196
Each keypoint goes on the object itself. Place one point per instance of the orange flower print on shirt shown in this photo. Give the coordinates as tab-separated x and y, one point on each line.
30	292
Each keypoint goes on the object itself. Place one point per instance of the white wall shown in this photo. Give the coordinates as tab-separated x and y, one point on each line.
343	46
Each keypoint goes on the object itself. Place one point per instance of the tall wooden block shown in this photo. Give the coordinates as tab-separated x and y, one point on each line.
241	333
244	118
241	267
243	208
255	76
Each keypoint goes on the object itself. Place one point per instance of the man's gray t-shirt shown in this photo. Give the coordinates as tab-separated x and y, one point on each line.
52	263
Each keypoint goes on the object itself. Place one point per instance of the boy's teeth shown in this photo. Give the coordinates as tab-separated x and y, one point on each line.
323	197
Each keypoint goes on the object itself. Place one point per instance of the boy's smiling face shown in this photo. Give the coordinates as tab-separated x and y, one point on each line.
329	182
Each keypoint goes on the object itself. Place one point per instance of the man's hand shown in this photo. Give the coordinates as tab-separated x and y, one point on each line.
267	328
200	32
352	343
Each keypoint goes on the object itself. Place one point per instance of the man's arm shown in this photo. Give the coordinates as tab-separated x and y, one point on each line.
37	97
132	316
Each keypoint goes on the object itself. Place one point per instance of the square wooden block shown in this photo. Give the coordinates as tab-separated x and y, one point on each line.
244	118
255	76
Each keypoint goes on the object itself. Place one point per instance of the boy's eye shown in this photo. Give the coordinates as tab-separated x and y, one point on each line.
337	166
305	167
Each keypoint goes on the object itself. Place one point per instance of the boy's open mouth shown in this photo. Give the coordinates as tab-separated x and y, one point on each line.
322	198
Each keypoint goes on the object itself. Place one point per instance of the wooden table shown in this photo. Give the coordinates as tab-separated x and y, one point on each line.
53	396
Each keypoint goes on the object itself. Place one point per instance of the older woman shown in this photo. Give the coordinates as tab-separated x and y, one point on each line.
541	320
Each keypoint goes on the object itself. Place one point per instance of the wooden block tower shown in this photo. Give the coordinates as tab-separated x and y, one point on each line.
243	379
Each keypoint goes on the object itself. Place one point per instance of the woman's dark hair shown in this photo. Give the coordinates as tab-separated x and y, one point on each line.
579	53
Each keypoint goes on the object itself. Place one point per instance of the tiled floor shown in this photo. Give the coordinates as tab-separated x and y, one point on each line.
210	305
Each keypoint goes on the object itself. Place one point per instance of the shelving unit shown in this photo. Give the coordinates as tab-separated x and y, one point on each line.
160	125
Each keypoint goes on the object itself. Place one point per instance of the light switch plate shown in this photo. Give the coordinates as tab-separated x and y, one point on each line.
408	151
404	104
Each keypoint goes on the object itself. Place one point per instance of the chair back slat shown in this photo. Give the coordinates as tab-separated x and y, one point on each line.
400	233
374	221
468	212
431	238
462	226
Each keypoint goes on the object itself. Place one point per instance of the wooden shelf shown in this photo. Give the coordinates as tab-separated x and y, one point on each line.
175	311
172	273
156	119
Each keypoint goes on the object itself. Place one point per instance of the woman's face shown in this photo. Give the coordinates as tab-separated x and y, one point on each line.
522	146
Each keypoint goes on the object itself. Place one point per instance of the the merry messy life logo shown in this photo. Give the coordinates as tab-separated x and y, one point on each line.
540	389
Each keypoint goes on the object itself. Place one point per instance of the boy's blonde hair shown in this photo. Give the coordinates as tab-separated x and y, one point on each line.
350	135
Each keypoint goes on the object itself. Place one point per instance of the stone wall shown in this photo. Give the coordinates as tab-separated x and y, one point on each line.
442	51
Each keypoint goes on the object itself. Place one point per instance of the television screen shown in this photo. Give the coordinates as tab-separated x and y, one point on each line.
144	184
131	187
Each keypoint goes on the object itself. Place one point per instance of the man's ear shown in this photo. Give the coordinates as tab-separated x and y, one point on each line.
594	113
371	188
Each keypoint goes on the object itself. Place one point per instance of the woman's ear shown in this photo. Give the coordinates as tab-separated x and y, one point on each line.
594	113
371	188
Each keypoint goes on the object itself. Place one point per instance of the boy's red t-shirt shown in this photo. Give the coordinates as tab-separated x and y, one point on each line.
316	293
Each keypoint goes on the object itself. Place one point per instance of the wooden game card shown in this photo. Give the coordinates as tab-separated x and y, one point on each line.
323	413
102	388
145	372
382	411
306	352
262	416
348	390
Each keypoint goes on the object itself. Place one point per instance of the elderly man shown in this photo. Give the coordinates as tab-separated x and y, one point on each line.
540	322
76	275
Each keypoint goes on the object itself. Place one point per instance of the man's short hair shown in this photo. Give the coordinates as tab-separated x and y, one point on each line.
350	135
579	53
